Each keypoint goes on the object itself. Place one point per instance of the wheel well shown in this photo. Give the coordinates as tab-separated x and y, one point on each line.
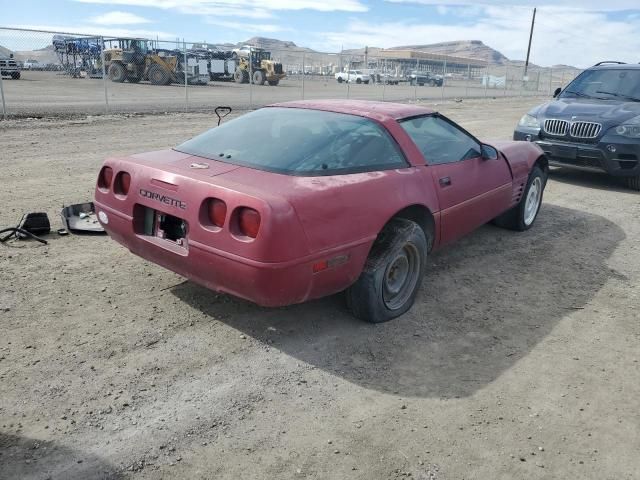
423	217
543	163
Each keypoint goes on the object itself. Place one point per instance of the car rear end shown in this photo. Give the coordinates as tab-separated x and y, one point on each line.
173	210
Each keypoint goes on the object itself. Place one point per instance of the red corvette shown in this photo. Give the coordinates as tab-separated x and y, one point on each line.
305	199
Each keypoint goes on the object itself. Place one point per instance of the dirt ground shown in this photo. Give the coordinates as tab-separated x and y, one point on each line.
38	94
519	359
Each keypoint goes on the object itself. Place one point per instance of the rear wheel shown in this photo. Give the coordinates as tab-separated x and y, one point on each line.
117	72
391	278
241	76
633	182
158	75
358	80
524	214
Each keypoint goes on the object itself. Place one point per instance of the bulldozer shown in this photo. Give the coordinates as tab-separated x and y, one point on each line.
133	61
257	63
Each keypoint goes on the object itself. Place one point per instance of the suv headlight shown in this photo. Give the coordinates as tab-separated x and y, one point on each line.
630	128
529	121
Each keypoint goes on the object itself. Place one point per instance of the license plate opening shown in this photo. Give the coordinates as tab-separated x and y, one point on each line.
165	226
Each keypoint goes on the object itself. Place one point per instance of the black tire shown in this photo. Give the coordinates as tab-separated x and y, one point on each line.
240	76
259	77
157	75
358	80
274	83
340	80
402	244
516	218
633	182
117	72
15	75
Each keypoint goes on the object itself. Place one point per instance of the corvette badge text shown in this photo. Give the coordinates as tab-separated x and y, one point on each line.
174	202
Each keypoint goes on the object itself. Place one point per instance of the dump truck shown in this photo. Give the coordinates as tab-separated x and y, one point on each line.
257	63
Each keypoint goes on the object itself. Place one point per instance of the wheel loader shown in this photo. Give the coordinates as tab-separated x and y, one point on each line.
262	68
133	61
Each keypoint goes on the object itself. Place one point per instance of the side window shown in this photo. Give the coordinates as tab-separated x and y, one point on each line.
440	141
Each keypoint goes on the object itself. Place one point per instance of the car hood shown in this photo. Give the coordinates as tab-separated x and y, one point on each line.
607	112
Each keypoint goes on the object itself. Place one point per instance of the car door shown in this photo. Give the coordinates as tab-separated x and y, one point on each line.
472	188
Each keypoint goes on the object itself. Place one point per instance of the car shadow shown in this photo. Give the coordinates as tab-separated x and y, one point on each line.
28	458
595	180
484	304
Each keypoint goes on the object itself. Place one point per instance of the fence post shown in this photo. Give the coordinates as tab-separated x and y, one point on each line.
415	84
486	80
466	90
506	75
186	81
251	77
384	78
104	78
303	74
4	107
444	77
550	80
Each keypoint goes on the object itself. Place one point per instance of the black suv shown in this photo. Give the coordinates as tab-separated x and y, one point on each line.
593	124
425	78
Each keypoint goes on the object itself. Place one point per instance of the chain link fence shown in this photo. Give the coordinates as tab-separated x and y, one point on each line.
59	73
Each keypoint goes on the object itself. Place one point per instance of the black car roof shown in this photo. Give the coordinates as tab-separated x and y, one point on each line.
616	66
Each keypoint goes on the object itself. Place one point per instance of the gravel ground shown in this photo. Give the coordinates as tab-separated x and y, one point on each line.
518	360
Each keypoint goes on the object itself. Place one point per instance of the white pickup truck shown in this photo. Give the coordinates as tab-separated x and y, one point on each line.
353	76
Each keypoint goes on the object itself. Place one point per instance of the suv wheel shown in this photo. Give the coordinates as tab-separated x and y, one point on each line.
633	182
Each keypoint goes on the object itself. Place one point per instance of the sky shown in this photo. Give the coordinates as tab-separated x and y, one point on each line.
567	32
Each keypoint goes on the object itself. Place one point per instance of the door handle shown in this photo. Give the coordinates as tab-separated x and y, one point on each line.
445	181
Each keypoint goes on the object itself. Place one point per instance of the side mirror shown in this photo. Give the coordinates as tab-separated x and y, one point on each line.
557	92
489	153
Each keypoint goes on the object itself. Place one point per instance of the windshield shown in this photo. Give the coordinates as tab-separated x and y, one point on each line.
299	142
606	84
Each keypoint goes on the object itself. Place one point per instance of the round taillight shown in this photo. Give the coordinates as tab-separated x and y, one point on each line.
249	222
122	183
105	177
216	211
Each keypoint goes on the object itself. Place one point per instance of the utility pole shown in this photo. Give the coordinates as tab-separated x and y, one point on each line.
526	63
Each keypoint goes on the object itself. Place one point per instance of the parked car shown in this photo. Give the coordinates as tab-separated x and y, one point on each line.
353	76
425	78
305	199
31	65
9	67
593	124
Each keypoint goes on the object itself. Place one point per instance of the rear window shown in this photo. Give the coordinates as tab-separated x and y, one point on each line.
297	141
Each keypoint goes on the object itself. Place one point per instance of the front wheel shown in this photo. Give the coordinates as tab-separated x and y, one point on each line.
340	80
524	214
358	80
391	278
117	73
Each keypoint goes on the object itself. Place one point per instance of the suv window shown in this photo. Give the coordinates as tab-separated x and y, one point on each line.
440	141
299	142
605	84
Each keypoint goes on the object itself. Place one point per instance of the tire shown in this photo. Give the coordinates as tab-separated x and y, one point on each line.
158	75
340	80
358	80
379	295
432	83
240	76
524	214
633	182
15	75
259	77
117	73
274	83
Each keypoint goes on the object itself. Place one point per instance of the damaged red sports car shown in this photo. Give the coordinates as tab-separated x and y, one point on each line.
305	199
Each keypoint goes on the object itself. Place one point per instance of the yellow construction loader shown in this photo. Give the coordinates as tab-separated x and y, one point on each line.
257	63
